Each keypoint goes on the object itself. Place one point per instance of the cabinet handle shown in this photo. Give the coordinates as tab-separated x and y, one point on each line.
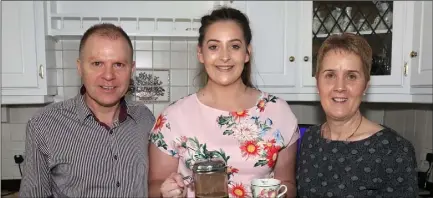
305	58
291	58
413	54
41	71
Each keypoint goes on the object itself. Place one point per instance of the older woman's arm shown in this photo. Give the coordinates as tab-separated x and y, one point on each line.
401	173
285	169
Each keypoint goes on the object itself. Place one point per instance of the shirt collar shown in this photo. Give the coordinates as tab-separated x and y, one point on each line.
84	111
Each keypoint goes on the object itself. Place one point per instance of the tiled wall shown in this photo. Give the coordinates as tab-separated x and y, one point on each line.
413	121
177	57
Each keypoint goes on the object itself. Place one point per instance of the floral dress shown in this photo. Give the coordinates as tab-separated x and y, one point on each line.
249	141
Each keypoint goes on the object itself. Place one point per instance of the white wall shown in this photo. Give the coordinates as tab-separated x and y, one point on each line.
413	121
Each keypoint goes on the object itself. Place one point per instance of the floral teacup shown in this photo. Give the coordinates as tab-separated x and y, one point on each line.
267	188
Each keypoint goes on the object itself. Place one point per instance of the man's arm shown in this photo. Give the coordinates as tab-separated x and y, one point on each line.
35	180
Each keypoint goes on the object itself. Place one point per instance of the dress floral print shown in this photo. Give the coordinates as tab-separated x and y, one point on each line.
251	139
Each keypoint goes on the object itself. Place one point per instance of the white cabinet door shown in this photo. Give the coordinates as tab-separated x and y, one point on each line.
25	75
272	24
319	19
19	59
421	72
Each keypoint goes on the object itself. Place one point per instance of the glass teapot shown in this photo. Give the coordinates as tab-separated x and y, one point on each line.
210	178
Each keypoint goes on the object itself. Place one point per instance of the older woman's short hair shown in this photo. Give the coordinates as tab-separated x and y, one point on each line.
347	42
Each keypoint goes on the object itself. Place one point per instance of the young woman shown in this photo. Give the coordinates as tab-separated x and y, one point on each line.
248	128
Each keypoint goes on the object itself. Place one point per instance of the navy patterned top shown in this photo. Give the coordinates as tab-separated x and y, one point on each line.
382	165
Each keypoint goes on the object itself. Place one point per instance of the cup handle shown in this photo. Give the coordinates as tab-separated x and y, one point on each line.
284	191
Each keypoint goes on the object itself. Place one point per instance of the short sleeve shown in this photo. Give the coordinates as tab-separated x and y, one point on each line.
288	123
162	135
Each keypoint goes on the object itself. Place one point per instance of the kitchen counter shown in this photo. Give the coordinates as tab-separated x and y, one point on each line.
13	195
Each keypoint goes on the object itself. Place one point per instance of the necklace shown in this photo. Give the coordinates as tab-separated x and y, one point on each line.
321	132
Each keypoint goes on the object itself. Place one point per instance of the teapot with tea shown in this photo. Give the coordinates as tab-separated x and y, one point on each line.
210	178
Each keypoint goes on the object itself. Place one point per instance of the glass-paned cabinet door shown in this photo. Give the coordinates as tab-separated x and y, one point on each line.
376	21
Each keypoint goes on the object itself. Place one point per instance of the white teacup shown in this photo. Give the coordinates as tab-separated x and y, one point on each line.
267	188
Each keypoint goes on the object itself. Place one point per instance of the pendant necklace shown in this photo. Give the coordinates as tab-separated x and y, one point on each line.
350	135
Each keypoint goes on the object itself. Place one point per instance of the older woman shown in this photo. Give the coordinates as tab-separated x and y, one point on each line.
349	155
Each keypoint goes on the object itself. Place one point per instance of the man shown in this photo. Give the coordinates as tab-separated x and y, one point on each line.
93	145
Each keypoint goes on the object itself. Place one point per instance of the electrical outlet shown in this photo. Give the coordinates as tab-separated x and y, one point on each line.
18	159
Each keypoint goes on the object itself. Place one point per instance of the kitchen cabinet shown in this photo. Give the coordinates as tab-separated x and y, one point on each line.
382	24
420	61
137	18
286	37
387	26
271	67
270	54
26	74
273	43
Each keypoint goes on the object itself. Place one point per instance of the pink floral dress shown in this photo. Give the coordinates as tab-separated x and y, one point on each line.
249	141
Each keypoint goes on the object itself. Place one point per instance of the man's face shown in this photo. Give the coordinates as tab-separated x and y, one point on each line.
105	67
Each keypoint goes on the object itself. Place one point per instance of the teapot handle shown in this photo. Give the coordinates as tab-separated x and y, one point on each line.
188	179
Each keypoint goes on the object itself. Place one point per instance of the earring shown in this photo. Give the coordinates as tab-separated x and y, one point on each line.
364	94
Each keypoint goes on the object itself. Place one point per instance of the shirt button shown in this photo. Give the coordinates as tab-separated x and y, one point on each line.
111	132
115	157
118	184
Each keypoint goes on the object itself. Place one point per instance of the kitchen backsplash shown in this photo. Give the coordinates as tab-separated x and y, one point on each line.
174	64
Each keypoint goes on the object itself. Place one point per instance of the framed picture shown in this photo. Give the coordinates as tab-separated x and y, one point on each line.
150	85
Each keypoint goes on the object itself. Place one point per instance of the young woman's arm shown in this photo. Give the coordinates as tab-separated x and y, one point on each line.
163	179
285	169
161	166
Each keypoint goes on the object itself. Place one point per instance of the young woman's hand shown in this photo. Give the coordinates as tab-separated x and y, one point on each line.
173	186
